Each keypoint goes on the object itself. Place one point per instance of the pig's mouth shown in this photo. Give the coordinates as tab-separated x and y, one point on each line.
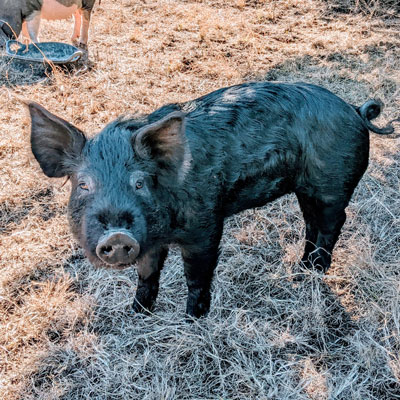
115	249
97	263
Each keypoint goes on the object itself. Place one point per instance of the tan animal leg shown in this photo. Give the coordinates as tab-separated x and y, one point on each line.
25	33
33	25
85	28
77	27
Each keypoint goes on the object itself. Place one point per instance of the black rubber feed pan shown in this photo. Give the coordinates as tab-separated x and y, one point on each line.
50	52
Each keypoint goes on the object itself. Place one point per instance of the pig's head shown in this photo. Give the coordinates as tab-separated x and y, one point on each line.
10	24
122	180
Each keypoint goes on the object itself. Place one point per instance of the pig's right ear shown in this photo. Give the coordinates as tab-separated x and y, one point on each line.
55	143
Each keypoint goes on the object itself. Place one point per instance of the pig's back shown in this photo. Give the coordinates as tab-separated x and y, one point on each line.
286	135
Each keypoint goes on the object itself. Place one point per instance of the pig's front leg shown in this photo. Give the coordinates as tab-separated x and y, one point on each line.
25	33
83	40
199	267
77	27
32	27
149	268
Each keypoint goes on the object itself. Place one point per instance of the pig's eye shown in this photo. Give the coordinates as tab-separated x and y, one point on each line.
139	184
83	186
138	180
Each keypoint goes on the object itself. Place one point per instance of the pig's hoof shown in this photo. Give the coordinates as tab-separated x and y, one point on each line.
197	311
299	277
301	270
141	309
80	45
306	268
189	319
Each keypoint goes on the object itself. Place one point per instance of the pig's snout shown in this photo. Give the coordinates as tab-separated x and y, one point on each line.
117	248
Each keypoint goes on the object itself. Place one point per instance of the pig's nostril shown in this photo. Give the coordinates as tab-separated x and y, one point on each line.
107	250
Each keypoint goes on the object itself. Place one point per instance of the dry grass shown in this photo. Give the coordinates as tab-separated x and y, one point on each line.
371	8
66	329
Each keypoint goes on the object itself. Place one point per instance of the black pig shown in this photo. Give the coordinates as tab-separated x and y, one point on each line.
173	176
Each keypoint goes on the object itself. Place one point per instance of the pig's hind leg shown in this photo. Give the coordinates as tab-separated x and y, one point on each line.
149	268
307	207
323	225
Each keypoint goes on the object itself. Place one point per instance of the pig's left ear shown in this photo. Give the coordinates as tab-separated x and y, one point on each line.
56	144
165	143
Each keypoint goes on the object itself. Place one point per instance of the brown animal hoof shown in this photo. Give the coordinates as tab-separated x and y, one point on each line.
80	45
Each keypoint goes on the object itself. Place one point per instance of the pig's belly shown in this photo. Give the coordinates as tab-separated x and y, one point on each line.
52	9
255	192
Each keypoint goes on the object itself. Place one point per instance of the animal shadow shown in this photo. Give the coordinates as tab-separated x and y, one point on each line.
15	72
12	215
